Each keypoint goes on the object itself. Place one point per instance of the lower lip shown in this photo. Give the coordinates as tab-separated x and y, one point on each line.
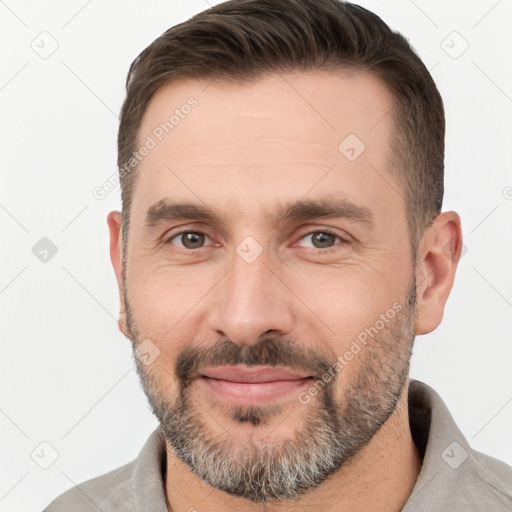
250	393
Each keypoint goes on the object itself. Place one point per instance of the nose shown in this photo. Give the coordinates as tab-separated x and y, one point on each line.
250	302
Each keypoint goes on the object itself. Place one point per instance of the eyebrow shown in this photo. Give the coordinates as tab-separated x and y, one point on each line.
165	211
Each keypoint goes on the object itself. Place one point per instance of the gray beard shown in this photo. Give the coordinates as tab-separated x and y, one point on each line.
333	433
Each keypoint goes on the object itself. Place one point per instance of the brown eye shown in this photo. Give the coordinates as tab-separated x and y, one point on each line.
189	240
321	240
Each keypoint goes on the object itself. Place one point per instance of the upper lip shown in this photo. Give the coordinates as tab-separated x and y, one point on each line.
251	374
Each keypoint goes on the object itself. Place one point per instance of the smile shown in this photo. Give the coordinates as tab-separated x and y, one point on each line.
252	386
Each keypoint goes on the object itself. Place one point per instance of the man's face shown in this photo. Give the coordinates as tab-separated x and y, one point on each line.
236	261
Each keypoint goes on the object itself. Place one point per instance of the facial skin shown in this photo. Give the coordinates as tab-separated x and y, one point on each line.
291	297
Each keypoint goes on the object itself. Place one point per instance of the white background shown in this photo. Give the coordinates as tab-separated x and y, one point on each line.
67	374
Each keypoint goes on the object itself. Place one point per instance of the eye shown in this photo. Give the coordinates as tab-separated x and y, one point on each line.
189	239
321	239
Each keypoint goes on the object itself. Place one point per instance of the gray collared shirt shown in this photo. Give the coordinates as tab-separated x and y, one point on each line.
453	478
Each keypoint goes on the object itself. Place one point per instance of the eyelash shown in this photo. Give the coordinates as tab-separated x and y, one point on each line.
323	231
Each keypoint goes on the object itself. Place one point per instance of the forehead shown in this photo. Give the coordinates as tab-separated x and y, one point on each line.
278	137
328	104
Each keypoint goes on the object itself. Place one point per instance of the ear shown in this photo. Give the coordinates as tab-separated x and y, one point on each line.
116	257
438	256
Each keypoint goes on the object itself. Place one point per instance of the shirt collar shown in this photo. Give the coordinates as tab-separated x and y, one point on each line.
453	476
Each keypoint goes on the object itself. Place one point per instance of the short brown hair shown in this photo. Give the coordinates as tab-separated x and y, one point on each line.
241	40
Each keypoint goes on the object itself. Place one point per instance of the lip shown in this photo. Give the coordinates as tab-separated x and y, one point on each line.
252	386
258	374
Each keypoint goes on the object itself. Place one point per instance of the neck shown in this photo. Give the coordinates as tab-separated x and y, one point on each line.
379	479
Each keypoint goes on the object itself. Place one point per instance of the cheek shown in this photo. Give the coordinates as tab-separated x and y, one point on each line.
163	311
342	302
163	298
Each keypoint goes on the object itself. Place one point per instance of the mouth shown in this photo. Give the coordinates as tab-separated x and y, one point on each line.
252	385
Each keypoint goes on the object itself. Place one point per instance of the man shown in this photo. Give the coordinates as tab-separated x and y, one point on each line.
281	243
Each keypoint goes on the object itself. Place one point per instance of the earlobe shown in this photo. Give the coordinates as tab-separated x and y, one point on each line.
438	256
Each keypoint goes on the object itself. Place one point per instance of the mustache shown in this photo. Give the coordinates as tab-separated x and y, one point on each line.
267	352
